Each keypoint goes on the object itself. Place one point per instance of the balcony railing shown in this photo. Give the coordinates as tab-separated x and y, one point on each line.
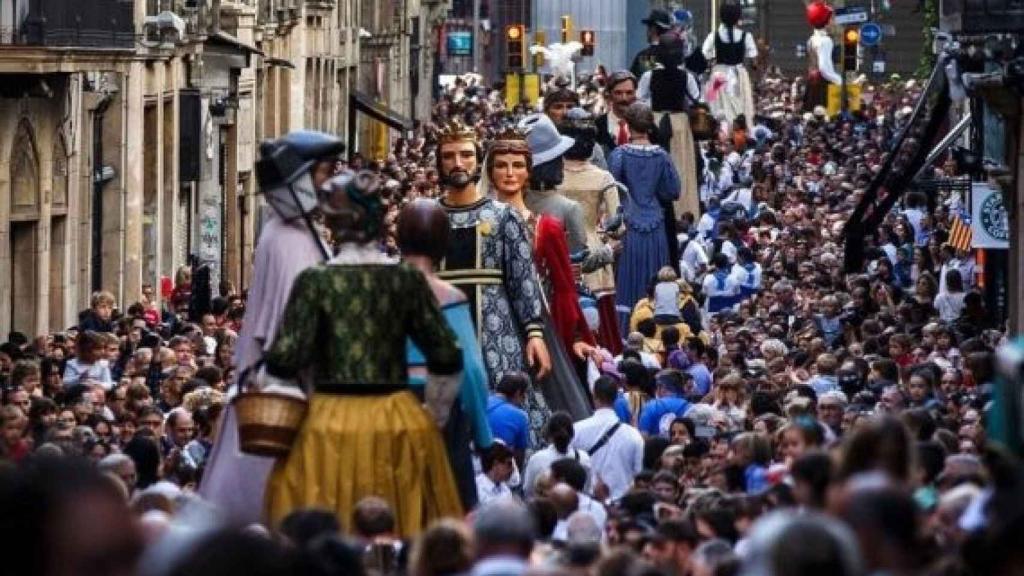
108	24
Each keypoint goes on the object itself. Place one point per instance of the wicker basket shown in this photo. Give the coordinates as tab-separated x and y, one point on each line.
268	423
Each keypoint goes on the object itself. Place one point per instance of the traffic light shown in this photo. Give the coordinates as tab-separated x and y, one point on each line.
540	38
588	39
851	37
515	41
566	29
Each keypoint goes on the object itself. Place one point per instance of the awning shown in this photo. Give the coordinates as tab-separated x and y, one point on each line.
233	52
364	103
280	62
222	38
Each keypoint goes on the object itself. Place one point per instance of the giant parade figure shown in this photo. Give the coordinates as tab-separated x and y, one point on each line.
346	323
820	70
490	258
290	171
729	90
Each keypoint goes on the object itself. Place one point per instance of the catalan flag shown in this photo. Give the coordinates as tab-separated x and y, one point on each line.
960	231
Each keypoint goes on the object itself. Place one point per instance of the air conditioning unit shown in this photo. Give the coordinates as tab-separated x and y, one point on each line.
981	16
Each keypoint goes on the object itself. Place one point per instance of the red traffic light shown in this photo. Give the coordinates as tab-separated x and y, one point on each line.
851	36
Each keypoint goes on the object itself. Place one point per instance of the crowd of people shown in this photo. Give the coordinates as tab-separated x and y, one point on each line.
701	388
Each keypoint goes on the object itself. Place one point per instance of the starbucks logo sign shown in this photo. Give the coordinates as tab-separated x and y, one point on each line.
993	218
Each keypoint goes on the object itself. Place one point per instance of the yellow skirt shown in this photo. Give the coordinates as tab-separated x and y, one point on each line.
685	161
351	447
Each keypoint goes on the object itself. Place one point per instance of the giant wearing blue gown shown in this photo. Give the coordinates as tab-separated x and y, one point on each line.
647	172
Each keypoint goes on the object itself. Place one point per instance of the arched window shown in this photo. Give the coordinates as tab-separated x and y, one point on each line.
24	173
23	231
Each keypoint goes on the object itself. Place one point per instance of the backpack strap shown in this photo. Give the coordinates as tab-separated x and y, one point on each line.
604	438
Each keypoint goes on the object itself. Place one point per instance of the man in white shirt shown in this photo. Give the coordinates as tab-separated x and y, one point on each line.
572	473
747	273
734	170
707	222
949	262
726	233
616	449
559	448
694	259
914	214
498	466
721	291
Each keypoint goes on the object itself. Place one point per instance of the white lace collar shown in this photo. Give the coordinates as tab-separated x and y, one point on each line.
351	253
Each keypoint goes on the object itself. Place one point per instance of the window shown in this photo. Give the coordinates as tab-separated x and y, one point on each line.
24	173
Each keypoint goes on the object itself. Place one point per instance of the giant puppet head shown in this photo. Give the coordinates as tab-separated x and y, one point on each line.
459	155
819	14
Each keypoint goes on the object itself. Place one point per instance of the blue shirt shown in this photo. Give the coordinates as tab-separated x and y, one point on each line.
822	384
701	377
508	422
473	392
831	328
756	479
621	408
657	416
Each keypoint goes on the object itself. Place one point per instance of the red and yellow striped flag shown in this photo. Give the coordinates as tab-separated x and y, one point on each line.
960	233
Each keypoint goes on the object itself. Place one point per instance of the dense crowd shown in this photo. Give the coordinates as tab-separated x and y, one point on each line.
768	412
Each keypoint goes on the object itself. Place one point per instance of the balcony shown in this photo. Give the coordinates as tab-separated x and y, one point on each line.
81	24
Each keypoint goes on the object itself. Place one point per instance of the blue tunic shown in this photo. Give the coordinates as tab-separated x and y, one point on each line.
652	180
468	419
473	392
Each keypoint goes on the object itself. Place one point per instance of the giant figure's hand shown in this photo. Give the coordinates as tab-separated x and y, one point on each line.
537	356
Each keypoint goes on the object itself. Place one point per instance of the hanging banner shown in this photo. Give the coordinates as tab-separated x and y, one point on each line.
990	223
513	91
531	89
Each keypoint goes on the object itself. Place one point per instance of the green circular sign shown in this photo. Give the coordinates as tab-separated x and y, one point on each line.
994	220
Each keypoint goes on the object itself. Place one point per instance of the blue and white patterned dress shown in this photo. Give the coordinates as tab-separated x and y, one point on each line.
490	258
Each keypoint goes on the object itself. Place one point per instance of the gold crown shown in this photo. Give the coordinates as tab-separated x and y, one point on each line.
511	133
510	140
455	131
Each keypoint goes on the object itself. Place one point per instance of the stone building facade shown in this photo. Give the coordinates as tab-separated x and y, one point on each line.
129	132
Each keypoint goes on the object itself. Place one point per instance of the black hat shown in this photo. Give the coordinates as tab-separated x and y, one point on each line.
730	13
659	19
